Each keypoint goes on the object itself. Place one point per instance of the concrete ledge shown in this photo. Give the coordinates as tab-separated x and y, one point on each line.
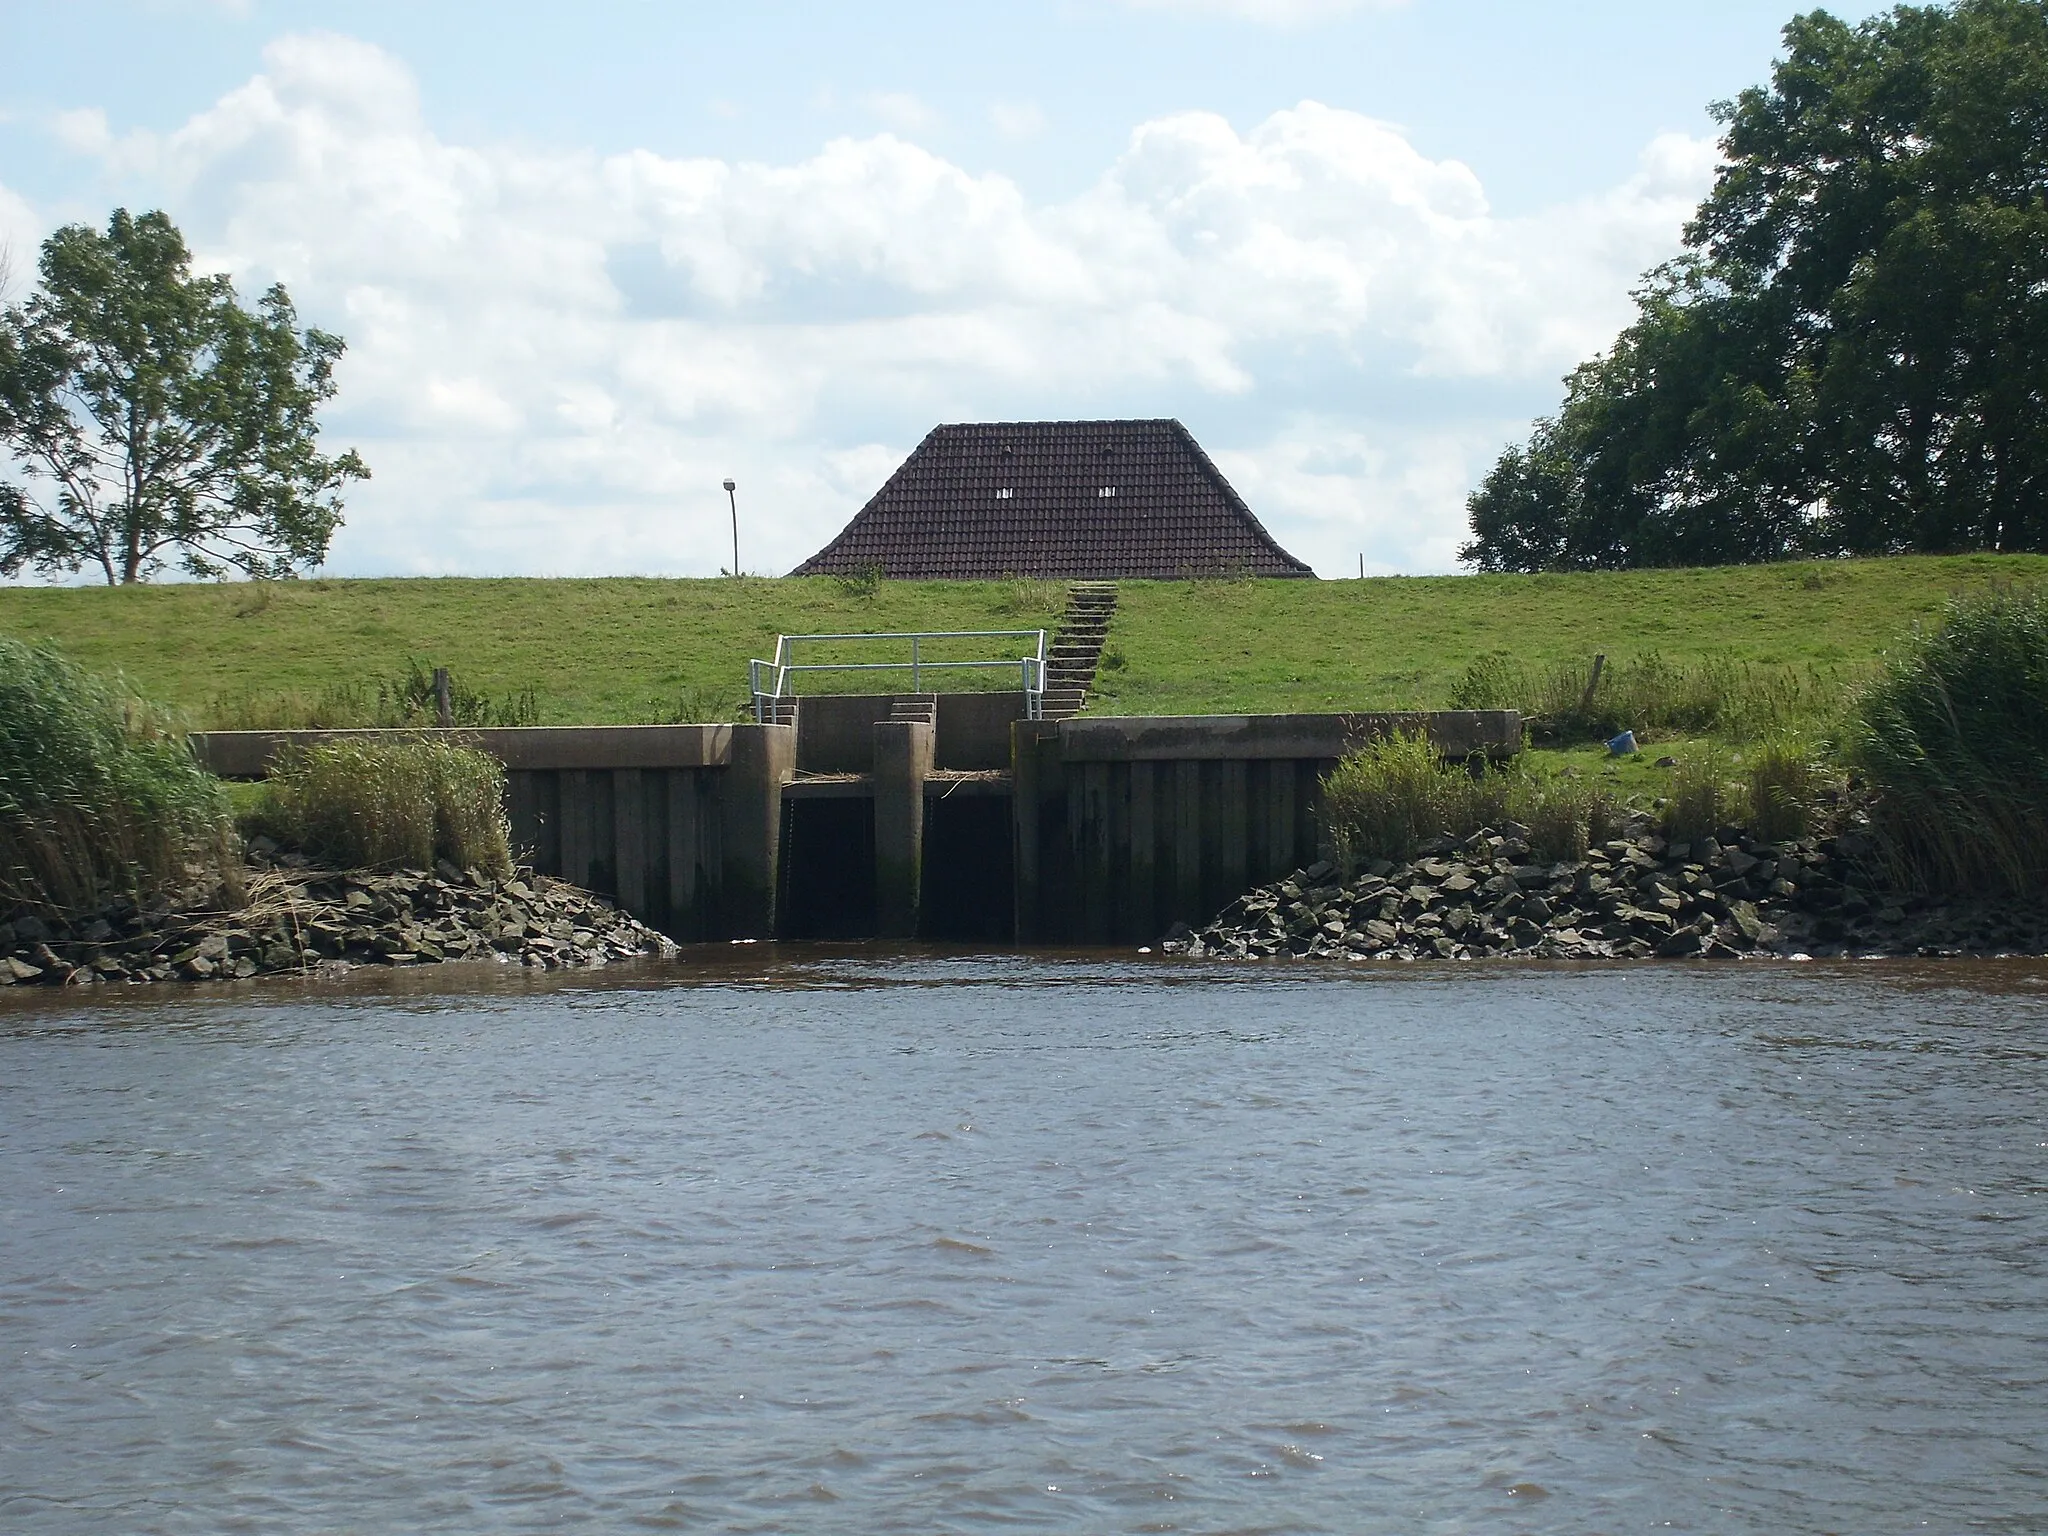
248	754
831	786
1181	738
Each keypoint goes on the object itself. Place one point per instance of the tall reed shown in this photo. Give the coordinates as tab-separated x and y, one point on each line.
1953	736
98	797
363	803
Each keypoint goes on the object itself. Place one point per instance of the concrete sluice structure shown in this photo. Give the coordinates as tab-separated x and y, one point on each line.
955	819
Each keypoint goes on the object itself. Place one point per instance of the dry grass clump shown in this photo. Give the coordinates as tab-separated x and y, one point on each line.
370	804
98	797
1389	798
1032	598
1953	736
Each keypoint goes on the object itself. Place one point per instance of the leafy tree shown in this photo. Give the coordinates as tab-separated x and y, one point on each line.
1852	355
150	415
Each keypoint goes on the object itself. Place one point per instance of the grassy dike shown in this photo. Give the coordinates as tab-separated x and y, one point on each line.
628	650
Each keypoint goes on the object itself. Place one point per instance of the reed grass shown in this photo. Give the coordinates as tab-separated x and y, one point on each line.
1953	737
1784	783
375	804
1704	797
1392	796
98	796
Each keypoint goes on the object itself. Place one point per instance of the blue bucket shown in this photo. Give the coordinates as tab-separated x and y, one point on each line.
1622	745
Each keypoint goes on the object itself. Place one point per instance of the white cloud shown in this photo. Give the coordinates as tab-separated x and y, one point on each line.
555	357
83	132
1016	120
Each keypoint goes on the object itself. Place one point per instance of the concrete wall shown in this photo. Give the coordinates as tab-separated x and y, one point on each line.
649	837
249	754
1127	826
835	732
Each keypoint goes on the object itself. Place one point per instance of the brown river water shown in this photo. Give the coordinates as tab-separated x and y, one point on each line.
859	1240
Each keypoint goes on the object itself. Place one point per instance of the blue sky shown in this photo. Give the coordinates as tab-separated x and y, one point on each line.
591	259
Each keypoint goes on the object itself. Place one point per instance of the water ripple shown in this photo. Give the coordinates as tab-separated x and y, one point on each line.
851	1241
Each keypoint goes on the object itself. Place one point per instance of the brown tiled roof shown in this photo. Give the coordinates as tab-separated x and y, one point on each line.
1087	500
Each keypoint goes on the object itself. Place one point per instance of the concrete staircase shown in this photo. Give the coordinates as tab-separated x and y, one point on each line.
1077	647
923	708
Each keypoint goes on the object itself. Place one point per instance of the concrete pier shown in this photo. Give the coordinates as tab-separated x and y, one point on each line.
903	753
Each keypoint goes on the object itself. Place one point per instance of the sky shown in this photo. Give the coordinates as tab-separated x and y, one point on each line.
591	260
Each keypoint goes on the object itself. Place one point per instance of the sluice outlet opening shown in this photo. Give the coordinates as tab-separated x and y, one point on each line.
828	869
969	854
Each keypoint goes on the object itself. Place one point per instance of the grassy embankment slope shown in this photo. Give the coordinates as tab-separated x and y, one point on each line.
629	649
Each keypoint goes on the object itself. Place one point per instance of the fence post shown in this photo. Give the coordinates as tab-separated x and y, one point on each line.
1593	682
444	699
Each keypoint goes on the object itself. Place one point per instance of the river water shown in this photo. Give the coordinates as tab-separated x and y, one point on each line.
868	1242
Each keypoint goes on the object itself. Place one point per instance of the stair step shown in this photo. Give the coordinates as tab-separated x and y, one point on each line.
1076	648
919	708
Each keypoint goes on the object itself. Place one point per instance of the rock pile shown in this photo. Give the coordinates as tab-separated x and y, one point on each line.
301	920
1636	897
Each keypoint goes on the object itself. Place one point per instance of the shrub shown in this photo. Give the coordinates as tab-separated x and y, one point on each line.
862	584
1564	818
1783	785
1703	799
1391	796
364	803
1953	736
97	796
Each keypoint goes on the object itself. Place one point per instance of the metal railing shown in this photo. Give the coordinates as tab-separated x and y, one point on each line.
773	683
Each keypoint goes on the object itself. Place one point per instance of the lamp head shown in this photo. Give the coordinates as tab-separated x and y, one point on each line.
728	485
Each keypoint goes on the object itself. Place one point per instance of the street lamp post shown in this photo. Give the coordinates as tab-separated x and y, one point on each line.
729	496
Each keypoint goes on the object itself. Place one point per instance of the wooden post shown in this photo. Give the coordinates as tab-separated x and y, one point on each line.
1593	682
444	699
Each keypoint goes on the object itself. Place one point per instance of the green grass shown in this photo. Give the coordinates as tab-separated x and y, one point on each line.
638	650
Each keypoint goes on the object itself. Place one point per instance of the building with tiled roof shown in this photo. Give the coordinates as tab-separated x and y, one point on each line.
1075	500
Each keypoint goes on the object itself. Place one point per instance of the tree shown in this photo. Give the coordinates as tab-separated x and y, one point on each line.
1852	355
150	415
